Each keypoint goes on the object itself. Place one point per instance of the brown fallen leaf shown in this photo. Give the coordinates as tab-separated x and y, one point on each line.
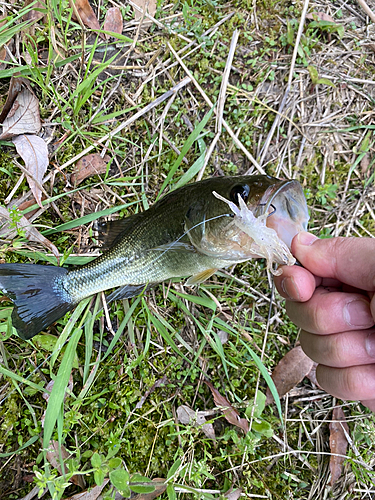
91	494
36	492
230	413
149	6
17	83
53	457
83	13
34	152
186	416
232	494
113	20
289	372
7	231
50	385
312	375
92	164
28	203
320	16
158	383
365	163
34	14
338	443
23	116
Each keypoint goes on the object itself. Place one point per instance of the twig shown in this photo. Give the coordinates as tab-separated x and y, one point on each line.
221	103
367	9
290	78
237	142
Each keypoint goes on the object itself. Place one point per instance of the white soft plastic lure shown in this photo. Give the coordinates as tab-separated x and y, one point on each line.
265	241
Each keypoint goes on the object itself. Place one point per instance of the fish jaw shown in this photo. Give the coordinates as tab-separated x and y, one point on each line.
287	209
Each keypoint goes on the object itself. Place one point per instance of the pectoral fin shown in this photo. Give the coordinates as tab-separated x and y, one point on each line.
200	277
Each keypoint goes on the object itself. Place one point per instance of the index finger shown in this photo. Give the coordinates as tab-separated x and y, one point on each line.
349	260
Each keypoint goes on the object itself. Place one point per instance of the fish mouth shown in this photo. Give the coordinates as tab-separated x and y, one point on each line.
286	205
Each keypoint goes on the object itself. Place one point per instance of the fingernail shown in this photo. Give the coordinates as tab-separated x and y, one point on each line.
307	239
370	345
357	313
288	286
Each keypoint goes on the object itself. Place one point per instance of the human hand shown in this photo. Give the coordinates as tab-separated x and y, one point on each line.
332	299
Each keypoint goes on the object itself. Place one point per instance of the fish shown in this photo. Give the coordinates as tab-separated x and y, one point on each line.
190	232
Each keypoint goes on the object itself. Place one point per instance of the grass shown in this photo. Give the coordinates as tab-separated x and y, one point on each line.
120	377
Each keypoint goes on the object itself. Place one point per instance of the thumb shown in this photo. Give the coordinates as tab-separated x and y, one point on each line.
349	260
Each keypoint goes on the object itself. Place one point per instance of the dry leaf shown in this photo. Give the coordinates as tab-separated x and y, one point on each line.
232	494
230	413
149	6
365	163
33	15
158	383
27	204
35	492
34	152
23	117
83	9
31	233
160	487
16	84
338	443
312	375
53	457
50	385
113	20
92	164
289	372
91	494
320	16
186	415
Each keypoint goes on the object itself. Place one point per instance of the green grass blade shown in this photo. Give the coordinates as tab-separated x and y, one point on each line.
25	445
202	301
68	329
56	398
122	326
89	338
14	376
267	378
189	141
192	172
87	218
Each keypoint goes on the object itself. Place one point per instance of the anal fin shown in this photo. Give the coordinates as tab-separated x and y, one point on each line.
127	292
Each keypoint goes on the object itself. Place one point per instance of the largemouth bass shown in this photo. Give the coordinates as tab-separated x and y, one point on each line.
192	231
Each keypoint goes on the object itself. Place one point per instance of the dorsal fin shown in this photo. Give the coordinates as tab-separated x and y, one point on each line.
108	232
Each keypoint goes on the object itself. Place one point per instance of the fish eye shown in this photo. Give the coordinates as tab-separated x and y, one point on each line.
242	190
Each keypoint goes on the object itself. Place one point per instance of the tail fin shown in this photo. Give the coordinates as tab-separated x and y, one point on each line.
38	298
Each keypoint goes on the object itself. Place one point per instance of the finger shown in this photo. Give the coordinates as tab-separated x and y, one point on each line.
295	283
331	312
356	382
350	260
370	403
340	350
